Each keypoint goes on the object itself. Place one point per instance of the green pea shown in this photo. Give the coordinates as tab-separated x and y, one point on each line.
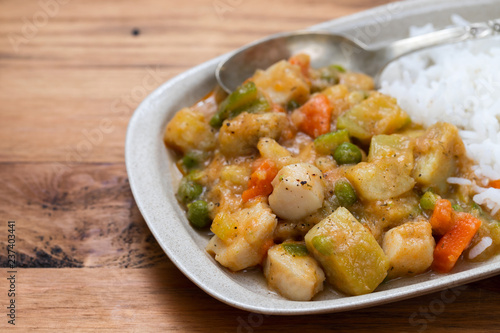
198	214
345	193
347	153
294	249
457	208
188	190
428	200
323	244
192	160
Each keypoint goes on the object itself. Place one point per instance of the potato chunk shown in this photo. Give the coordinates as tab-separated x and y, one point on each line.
394	145
188	130
357	81
298	190
241	237
283	82
292	272
393	212
410	248
437	156
378	114
351	257
381	179
239	136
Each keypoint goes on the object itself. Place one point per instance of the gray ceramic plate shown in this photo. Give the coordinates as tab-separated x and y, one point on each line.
153	174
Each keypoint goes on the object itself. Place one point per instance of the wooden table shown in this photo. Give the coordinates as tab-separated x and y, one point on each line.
69	72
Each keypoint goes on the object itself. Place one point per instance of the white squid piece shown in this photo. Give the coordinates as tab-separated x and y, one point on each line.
298	190
296	276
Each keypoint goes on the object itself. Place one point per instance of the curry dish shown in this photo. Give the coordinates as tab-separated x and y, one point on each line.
313	175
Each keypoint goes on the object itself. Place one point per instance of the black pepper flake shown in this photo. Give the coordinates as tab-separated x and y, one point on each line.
303	182
135	32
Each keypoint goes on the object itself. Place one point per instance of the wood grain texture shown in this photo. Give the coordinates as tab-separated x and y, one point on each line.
87	259
162	300
77	215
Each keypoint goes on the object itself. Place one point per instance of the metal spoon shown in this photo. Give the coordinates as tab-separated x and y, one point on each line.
326	48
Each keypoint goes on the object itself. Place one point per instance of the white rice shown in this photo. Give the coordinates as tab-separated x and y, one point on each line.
480	247
459	84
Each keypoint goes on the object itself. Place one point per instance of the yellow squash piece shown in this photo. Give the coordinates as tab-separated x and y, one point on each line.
351	257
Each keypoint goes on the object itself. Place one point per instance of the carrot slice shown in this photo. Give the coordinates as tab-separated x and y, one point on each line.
315	116
454	242
260	180
495	183
441	218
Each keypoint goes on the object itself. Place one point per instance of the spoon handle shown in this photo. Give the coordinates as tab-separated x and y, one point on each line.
446	36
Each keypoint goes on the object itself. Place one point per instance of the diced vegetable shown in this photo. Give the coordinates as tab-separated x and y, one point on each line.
298	190
327	143
324	77
380	180
188	131
313	118
339	68
295	249
238	101
391	212
394	145
345	193
240	136
454	242
409	248
270	149
238	175
224	226
428	200
357	81
347	153
242	238
260	180
437	156
441	218
303	61
323	244
297	277
378	114
351	257
283	82
338	95
495	183
198	214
